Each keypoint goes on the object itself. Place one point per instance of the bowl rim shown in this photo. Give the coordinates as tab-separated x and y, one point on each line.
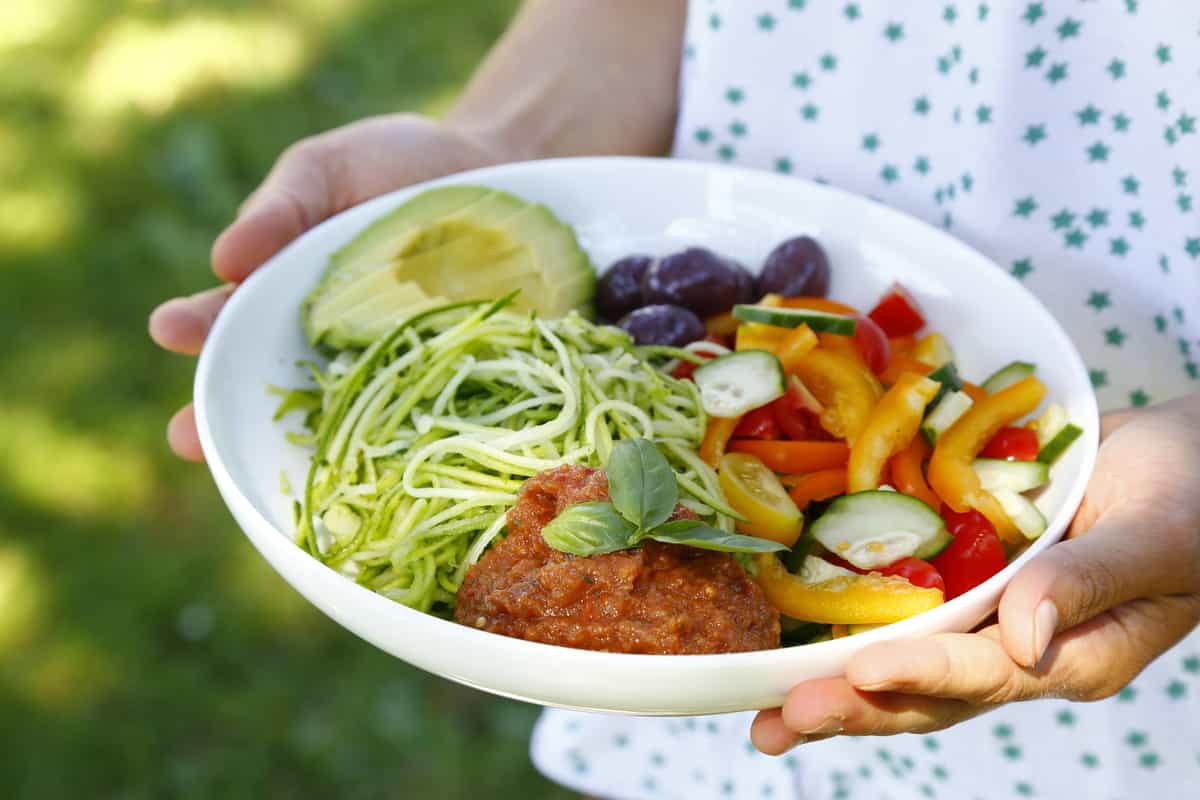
243	301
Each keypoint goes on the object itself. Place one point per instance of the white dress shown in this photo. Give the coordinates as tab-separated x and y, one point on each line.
1062	139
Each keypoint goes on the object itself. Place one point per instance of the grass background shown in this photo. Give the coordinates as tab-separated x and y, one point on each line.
146	651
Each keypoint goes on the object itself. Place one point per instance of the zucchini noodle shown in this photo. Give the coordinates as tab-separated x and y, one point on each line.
422	441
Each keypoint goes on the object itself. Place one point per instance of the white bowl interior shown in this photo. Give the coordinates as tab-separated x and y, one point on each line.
618	207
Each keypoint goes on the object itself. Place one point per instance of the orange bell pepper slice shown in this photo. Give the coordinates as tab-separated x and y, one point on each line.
902	345
951	473
844	386
858	600
814	486
890	428
908	476
899	364
794	456
716	437
973	391
795	345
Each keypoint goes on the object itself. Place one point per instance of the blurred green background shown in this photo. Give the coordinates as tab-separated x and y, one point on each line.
145	649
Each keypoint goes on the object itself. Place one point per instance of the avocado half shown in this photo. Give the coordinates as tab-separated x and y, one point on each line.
446	244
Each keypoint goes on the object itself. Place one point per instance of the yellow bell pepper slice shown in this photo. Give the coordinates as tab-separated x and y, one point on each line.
890	429
858	600
756	336
844	386
950	470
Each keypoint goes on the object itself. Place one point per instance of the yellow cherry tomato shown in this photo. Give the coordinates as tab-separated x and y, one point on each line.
756	493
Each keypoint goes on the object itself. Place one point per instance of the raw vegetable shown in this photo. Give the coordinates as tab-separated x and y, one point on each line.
944	414
716	438
1020	509
933	350
795	317
1015	476
891	427
732	384
793	457
847	391
815	486
974	555
897	313
907	472
1059	444
794	346
1008	375
862	599
755	493
951	471
1055	433
875	528
1012	443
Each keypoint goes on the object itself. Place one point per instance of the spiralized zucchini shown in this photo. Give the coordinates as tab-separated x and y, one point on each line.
422	441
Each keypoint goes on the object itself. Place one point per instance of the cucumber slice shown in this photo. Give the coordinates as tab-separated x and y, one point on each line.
947	375
732	384
934	547
1007	375
819	321
874	528
1015	476
1025	515
1058	445
1050	423
817	570
945	414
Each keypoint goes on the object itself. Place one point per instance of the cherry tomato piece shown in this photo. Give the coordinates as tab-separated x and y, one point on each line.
917	572
758	424
1020	444
872	344
796	416
898	313
974	556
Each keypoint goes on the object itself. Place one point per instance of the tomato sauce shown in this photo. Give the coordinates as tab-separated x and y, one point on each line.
654	598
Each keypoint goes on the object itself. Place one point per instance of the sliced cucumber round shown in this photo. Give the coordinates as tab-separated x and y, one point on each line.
820	321
875	528
1015	476
1007	375
1024	514
732	384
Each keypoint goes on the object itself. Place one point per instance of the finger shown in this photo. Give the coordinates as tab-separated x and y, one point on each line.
182	323
1090	661
294	196
832	706
1122	557
182	435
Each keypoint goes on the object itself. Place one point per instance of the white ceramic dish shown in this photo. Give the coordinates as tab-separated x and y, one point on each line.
620	206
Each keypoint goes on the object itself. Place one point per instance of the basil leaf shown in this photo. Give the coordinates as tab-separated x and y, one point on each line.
641	483
697	534
589	529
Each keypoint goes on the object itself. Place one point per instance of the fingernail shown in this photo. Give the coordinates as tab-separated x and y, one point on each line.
1045	623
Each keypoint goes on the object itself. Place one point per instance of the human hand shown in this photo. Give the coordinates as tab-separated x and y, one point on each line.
1078	622
313	179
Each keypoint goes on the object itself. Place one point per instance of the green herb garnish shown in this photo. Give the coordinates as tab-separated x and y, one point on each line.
644	491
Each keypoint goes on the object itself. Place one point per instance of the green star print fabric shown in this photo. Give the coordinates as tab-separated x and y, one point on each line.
1061	139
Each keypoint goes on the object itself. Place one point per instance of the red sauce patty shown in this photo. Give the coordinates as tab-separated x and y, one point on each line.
654	598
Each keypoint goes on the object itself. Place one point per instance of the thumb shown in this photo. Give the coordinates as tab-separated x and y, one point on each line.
295	196
1120	558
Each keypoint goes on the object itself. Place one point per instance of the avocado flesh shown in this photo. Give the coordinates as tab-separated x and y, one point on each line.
469	243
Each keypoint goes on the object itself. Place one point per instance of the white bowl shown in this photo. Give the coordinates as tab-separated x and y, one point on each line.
620	206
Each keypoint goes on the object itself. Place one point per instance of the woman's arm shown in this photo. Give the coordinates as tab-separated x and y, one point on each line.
578	77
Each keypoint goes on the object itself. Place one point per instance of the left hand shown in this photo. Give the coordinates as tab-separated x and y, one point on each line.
1078	622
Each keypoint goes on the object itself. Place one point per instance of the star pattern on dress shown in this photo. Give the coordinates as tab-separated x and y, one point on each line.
1088	115
1099	300
1034	134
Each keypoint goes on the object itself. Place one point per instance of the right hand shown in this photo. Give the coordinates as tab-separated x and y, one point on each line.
313	180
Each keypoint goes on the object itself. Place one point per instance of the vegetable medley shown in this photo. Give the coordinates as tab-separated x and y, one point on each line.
786	457
911	478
